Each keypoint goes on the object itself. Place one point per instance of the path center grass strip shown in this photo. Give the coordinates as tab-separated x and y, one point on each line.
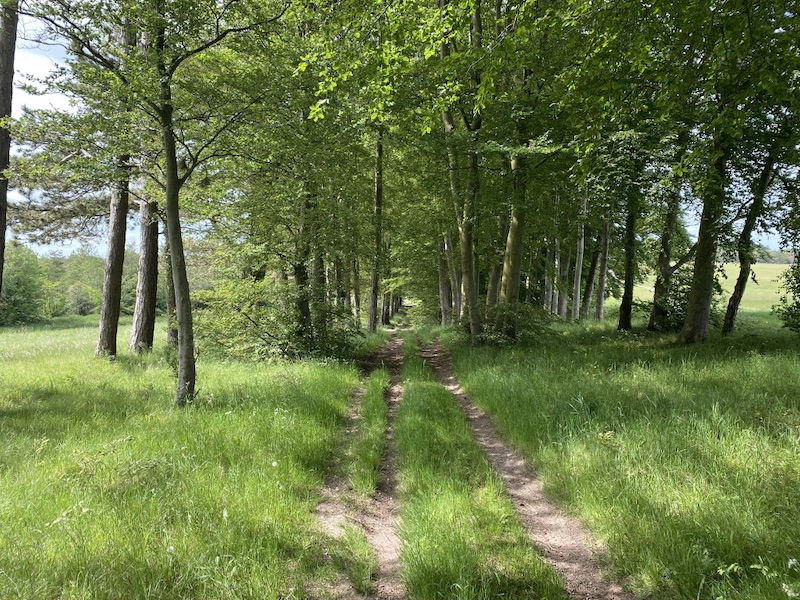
108	492
460	535
684	460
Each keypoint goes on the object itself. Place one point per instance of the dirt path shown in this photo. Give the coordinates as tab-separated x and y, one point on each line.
378	515
564	542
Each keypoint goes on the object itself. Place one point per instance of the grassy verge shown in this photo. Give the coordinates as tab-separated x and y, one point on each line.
369	443
460	535
107	492
684	460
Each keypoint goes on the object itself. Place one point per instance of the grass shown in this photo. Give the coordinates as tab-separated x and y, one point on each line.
460	536
369	442
108	492
684	460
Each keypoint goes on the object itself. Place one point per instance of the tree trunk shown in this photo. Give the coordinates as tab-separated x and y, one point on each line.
319	289
586	302
563	297
112	277
445	301
496	274
626	307
467	246
172	317
144	314
372	318
554	301
550	261
357	291
455	277
745	243
576	288
660	313
599	313
8	37
184	392
698	312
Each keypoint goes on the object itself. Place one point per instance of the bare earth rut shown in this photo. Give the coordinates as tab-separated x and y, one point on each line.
377	516
565	544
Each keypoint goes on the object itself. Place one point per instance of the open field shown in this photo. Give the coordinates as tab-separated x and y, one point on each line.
759	296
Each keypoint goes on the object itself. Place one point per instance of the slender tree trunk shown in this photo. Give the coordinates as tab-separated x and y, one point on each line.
467	246
626	307
445	301
319	289
576	289
183	304
357	291
495	276
172	312
745	244
586	302
112	277
144	313
372	319
455	277
8	37
563	297
599	313
698	312
550	261
554	302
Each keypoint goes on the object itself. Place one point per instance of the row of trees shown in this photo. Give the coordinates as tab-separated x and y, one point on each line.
476	155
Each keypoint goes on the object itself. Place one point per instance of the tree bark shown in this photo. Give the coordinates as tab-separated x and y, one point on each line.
112	277
172	317
563	297
357	291
496	274
8	38
698	312
445	301
664	271
626	307
550	261
588	288
144	313
599	313
745	243
184	392
455	277
372	315
576	288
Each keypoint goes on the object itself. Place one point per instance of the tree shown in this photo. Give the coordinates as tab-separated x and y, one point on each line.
8	39
23	298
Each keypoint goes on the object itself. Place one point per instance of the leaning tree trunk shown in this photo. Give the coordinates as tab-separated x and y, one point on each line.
599	313
745	244
496	274
112	278
698	312
144	313
455	277
512	260
172	313
8	37
445	301
372	315
626	306
588	288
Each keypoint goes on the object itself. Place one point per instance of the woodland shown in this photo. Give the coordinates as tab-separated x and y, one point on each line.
564	197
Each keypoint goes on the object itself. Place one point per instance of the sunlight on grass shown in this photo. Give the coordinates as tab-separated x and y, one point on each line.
684	460
460	536
109	492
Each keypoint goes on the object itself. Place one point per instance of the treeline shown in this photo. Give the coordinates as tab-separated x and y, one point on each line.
494	161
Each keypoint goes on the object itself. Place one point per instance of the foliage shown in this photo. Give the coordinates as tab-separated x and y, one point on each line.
23	297
789	308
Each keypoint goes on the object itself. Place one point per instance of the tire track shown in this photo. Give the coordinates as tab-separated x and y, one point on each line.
563	541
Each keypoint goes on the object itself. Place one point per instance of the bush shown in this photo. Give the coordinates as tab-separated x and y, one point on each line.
23	297
789	309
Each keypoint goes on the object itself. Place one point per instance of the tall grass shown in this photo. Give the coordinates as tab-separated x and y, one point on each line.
107	492
460	536
684	460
